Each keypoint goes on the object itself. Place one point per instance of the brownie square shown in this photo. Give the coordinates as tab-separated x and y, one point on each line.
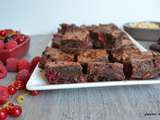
102	71
57	37
78	38
109	36
143	66
122	39
72	36
54	54
63	72
102	37
123	54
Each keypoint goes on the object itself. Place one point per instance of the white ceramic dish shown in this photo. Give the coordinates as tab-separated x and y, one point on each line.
37	82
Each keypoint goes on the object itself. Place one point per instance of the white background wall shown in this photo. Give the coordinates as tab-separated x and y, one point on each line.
43	16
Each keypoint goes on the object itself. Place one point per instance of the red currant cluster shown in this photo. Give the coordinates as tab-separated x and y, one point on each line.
24	69
10	109
10	39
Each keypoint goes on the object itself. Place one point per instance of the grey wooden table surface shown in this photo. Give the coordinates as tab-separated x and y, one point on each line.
107	103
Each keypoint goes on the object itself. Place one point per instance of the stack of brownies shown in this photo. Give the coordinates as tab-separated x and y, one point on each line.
96	53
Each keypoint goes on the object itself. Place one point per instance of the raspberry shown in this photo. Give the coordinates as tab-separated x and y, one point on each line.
1	44
34	62
101	39
90	78
3	71
11	64
81	78
34	93
52	77
20	38
11	44
23	75
23	64
4	94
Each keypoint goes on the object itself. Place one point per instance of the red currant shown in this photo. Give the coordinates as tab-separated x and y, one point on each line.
12	90
3	114
15	111
101	38
3	33
19	84
23	36
20	38
6	109
35	93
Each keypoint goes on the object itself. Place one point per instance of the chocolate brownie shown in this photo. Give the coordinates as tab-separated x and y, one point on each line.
102	71
110	37
123	54
77	38
143	66
102	38
64	28
53	54
72	39
63	72
122	39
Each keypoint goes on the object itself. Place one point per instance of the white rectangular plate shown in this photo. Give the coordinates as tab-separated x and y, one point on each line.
37	82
